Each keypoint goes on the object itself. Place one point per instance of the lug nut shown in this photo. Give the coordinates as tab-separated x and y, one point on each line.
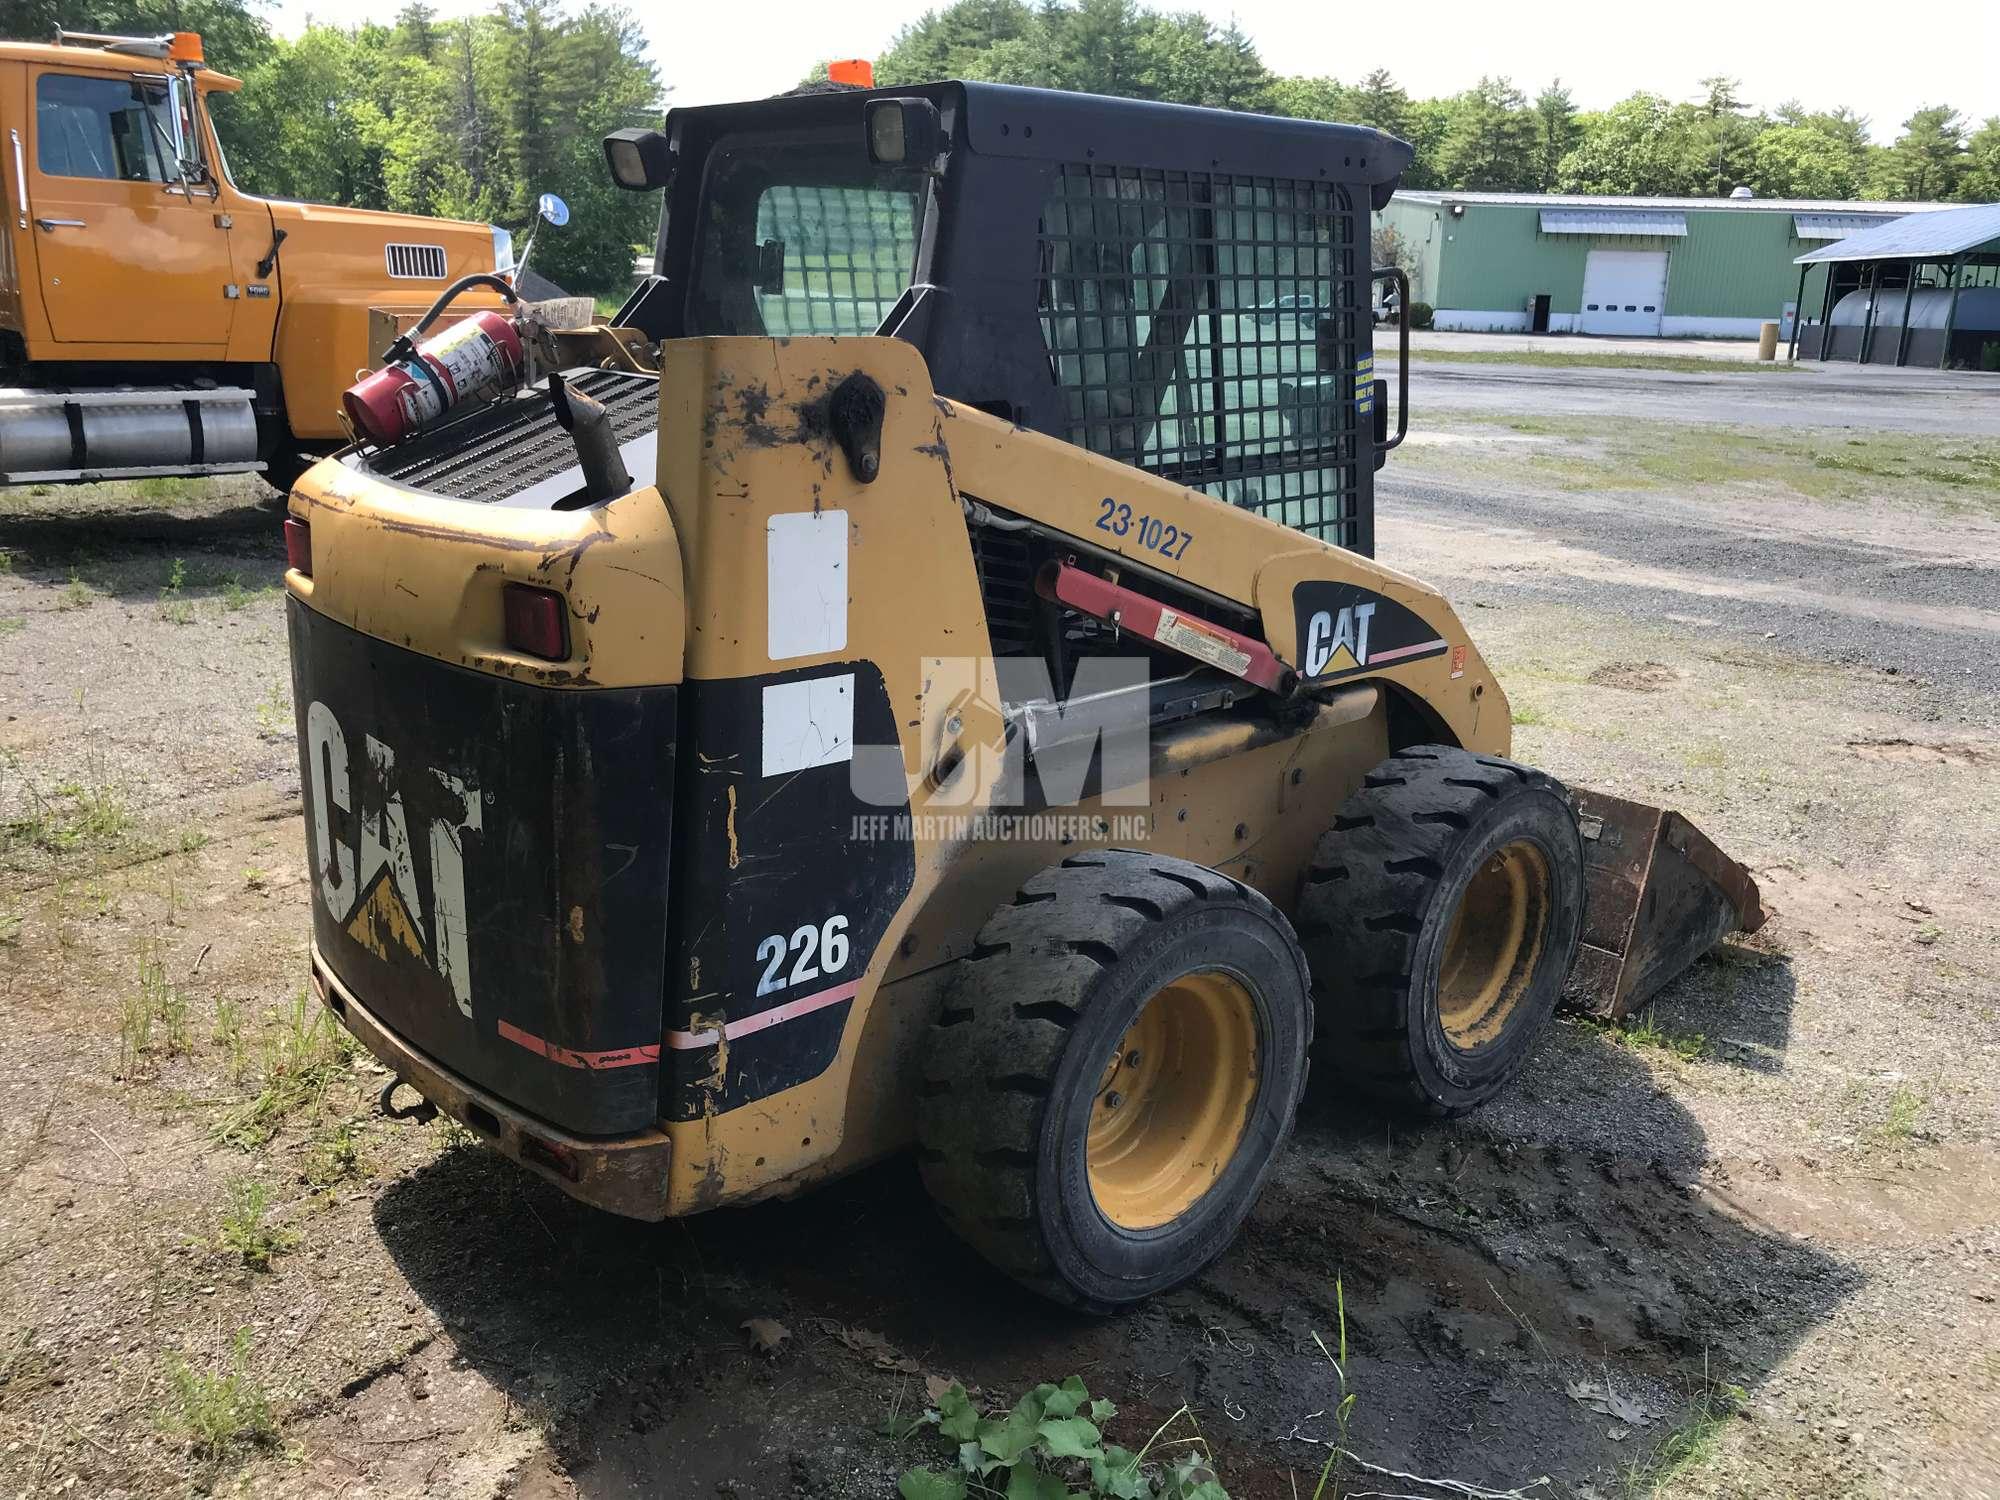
1132	1058
1113	1099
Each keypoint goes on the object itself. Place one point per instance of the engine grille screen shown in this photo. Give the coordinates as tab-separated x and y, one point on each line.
497	451
1206	327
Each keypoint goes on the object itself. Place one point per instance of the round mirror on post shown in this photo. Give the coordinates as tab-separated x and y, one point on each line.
552	209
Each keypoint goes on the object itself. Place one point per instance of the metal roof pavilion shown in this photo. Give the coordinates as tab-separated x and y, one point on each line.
1946	267
1943	234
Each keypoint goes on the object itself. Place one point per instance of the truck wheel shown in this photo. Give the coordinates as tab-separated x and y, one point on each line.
283	468
1440	916
1113	1070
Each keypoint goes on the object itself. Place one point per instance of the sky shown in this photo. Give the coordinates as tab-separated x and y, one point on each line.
1602	49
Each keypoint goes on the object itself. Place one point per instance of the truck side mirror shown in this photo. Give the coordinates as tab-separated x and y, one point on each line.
907	133
640	160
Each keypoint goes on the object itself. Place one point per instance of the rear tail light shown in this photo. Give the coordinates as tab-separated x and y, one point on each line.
537	622
298	546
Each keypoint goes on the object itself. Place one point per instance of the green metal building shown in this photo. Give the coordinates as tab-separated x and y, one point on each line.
1652	267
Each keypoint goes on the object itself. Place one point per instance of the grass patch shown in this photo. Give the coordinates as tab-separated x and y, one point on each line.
297	1063
228	1035
175	607
1691	1444
1943	473
73	818
218	1412
1601	359
246	1230
9	624
152	1018
1644	1033
1903	1123
335	1156
274	712
76	594
1528	714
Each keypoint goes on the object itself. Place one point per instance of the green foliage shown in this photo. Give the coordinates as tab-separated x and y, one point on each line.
1491	141
297	1063
218	1412
1422	314
470	118
175	607
1928	158
1641	144
1050	1445
1981	182
1556	133
1489	136
244	1231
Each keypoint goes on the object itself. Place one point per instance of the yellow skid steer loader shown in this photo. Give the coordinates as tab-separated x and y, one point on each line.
918	675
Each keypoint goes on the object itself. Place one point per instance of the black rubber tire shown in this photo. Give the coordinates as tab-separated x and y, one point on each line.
1378	905
1013	1063
283	468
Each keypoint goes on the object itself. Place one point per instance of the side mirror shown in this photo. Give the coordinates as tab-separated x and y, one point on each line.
907	133
640	160
553	210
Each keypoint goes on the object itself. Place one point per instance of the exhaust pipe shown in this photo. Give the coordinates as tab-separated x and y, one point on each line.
605	476
1658	895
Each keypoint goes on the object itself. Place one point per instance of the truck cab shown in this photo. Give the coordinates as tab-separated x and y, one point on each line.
156	319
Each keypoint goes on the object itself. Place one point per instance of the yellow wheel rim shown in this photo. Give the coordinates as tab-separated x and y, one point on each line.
1174	1103
1495	943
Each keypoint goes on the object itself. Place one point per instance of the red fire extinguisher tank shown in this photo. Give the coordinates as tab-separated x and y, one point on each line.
467	360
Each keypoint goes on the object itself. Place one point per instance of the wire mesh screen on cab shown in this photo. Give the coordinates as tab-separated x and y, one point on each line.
835	258
1204	327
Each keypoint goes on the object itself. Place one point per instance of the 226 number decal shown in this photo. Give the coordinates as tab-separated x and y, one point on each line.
1155	535
814	951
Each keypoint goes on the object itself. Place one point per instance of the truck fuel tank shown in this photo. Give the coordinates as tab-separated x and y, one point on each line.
49	436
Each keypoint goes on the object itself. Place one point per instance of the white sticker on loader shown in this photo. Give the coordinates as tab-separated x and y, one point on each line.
805	569
809	723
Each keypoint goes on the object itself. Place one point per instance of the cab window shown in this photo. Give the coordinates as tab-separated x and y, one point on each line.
116	128
800	234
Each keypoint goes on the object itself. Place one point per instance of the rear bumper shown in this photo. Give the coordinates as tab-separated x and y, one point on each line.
624	1175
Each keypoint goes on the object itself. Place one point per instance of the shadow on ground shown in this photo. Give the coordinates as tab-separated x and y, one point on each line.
121	541
1485	1265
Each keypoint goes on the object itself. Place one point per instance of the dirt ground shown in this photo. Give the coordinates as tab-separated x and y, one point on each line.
1745	1246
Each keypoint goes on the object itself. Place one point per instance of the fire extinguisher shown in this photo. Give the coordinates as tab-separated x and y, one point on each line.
420	382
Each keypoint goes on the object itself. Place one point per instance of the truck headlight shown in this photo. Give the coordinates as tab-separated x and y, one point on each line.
503	251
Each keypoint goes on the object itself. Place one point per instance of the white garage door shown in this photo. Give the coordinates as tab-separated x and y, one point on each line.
1624	291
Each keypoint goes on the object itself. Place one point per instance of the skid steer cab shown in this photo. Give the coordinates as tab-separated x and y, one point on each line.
918	675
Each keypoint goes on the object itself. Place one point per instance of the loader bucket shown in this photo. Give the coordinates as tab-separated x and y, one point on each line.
1657	895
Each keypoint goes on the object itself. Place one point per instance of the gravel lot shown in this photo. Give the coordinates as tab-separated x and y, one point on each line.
1763	1219
1946	403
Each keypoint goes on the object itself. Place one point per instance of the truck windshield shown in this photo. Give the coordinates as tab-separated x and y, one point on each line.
801	234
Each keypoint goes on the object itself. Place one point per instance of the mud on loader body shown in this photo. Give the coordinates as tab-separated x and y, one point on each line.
918	676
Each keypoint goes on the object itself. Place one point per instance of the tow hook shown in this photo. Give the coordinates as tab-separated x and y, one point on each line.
423	1111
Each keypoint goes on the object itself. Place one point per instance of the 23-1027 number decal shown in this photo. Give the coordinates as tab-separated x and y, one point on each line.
814	951
1155	535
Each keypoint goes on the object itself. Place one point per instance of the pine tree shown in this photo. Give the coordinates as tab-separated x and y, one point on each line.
1491	141
1927	159
1556	132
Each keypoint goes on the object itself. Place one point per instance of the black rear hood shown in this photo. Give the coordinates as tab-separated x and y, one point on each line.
489	866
